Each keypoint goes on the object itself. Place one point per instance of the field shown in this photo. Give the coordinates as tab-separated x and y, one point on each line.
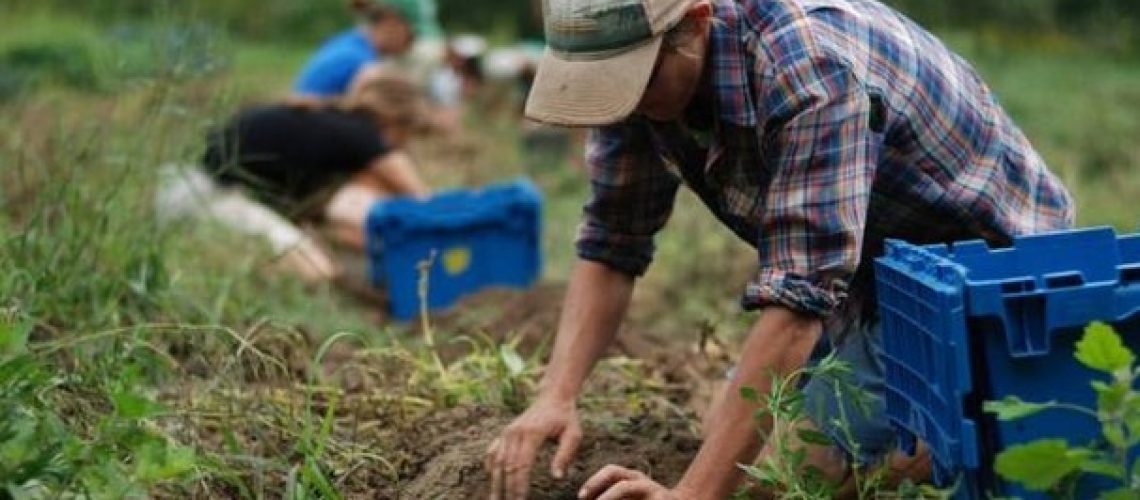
142	360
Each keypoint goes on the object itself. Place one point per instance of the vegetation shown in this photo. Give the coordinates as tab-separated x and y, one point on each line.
786	471
1053	465
1108	24
141	360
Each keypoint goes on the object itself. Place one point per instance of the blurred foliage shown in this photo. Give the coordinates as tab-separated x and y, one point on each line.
70	63
303	21
294	21
1106	24
1111	24
37	54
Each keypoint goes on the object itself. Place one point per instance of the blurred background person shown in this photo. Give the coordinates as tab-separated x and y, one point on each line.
398	37
273	167
455	81
387	29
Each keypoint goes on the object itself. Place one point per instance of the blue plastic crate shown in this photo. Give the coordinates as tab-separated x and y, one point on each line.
965	324
479	238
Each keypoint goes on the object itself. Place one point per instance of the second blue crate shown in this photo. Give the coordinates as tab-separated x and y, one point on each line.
965	324
473	239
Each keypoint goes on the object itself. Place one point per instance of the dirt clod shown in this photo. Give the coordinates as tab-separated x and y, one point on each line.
445	455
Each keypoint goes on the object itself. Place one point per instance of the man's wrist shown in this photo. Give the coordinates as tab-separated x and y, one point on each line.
681	492
554	395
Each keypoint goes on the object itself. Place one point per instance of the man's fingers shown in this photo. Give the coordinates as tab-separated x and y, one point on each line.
567	447
494	463
520	458
607	478
492	454
632	489
497	484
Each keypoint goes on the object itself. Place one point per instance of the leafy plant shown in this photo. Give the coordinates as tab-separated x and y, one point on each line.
1053	464
487	372
786	470
41	455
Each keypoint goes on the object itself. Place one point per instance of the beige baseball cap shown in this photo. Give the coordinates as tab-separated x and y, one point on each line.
599	58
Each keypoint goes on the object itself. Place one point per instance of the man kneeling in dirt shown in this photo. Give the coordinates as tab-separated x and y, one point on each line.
814	129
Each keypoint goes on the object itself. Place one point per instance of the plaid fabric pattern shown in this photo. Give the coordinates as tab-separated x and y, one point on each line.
838	124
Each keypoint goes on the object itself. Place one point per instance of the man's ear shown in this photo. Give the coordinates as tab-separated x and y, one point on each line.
701	10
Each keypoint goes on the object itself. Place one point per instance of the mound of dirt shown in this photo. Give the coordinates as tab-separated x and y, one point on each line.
443	455
528	316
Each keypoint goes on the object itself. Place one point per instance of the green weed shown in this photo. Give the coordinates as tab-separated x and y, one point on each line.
116	451
786	472
1053	465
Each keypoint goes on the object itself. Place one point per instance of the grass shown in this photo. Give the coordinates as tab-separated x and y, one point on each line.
139	360
191	370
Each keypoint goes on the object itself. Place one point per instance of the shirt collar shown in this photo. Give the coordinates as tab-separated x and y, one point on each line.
730	66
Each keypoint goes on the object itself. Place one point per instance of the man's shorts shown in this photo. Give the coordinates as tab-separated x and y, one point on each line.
851	410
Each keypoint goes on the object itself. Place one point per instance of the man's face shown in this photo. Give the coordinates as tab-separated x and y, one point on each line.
676	78
390	35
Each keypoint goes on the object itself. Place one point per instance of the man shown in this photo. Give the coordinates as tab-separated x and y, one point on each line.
388	28
814	129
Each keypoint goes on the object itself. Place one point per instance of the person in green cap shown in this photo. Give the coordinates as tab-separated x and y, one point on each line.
387	29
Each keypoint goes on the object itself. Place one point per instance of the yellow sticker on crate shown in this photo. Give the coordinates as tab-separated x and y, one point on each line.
457	260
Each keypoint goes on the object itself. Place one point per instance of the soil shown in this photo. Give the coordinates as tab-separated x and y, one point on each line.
445	452
697	363
528	317
440	456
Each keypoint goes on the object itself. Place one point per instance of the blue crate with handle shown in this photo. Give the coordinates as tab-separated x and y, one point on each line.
963	324
474	239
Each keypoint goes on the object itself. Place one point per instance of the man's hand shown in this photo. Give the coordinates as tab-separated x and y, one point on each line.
617	483
595	303
511	456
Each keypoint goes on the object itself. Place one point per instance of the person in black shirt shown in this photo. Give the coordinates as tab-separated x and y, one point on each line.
270	166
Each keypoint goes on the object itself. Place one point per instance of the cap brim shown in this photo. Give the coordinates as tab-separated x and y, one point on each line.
591	93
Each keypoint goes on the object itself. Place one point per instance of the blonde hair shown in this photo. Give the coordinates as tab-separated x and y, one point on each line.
390	100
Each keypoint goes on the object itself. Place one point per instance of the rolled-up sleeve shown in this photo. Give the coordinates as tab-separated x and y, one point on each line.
631	199
822	151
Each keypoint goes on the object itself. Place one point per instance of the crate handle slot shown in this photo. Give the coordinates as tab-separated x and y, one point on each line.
1024	285
1025	326
1064	280
1130	274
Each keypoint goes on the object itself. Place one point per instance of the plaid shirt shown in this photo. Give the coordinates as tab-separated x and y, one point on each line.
837	124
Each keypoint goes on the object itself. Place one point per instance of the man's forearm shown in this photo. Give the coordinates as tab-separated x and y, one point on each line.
595	304
780	343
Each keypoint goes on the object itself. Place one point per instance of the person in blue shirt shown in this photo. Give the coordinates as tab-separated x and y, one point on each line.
388	28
